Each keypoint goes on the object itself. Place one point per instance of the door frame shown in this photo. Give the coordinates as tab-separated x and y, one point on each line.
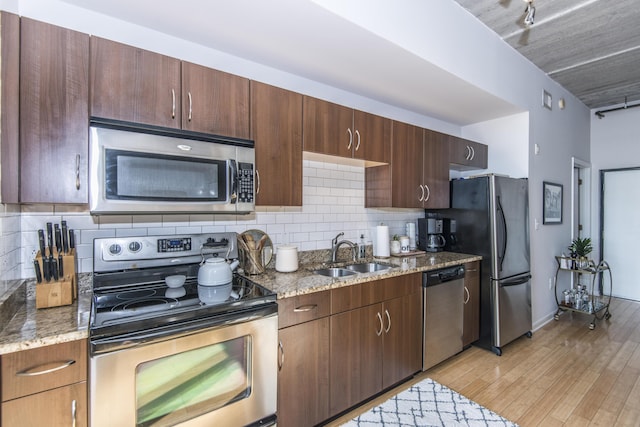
580	197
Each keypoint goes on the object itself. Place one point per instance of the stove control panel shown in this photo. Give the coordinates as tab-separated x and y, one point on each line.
182	244
116	253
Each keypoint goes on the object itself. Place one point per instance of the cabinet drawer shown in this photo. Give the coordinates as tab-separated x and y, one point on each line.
31	371
303	308
363	294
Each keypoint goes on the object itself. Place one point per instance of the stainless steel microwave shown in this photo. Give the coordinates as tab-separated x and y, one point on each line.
147	169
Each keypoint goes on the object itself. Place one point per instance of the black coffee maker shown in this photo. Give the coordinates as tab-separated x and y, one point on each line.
430	234
449	231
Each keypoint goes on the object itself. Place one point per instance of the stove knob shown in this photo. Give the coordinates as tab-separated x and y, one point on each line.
115	249
135	246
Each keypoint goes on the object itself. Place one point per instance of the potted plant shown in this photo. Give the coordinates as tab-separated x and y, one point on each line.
580	248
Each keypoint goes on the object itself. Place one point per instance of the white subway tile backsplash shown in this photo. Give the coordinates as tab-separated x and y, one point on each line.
333	202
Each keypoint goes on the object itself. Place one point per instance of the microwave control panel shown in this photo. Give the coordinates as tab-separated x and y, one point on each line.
245	182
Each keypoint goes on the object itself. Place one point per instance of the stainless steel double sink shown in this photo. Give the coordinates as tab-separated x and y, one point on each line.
350	270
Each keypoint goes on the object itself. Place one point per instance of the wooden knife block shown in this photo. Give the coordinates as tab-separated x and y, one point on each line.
63	291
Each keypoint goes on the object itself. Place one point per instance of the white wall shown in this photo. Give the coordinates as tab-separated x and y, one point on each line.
447	36
615	143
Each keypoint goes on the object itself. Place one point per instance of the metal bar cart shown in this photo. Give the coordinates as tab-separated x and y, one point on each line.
578	298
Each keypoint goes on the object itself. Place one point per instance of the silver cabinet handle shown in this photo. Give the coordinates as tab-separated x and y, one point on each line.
358	143
173	103
257	182
378	333
305	308
473	152
281	361
428	192
77	171
35	371
467	297
388	328
350	138
190	105
73	412
421	199
468	156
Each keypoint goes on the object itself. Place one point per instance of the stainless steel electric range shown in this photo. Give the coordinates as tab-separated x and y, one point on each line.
163	357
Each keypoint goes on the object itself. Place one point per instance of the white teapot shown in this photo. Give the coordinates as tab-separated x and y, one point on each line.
216	272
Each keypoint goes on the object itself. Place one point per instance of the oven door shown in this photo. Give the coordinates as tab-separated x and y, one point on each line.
218	376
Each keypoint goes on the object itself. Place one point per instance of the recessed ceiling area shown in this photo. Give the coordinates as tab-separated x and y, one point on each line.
302	38
590	47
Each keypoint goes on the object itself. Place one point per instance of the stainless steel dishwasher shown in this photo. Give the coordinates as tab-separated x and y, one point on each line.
442	310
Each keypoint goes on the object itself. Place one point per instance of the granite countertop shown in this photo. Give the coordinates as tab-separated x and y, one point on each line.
304	281
28	327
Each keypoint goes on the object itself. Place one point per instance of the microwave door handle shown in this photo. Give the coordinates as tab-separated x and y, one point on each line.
233	176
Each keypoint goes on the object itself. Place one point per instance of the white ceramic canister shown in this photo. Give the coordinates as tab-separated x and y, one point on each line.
287	258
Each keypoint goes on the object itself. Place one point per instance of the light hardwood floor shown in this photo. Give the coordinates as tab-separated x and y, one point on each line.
565	375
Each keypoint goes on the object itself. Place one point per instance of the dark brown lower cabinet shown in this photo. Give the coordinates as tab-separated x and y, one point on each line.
377	345
303	375
471	316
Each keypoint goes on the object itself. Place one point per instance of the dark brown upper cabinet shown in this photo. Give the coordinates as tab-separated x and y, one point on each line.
276	128
336	130
10	106
467	155
54	74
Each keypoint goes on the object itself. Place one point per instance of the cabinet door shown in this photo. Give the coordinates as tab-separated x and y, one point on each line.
135	85
214	102
64	406
372	137
407	153
10	105
276	127
303	375
471	316
467	155
356	356
54	73
402	353
436	170
328	128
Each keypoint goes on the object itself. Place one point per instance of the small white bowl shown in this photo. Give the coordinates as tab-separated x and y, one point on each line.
175	281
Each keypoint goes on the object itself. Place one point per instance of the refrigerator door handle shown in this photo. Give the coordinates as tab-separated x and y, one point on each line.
504	233
515	282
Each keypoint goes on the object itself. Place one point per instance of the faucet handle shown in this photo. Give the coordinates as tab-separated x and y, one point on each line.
335	239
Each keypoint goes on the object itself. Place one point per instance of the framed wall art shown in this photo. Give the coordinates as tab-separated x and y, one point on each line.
552	207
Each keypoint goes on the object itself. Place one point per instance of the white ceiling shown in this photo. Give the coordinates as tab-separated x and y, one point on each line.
303	38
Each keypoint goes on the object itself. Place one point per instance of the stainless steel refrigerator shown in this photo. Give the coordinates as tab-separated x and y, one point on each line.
491	216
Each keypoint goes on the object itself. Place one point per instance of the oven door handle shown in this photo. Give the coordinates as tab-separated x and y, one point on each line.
171	331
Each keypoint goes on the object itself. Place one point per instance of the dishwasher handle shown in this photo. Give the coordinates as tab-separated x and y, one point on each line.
436	277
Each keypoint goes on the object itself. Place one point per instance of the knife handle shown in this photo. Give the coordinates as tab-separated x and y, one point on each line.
60	266
72	239
65	237
45	269
36	266
41	242
54	269
58	237
50	237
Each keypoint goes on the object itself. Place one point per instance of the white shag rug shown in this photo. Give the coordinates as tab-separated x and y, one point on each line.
429	403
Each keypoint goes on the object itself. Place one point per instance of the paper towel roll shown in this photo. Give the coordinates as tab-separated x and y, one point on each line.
381	242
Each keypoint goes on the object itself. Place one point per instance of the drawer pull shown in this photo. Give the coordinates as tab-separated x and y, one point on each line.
73	412
305	308
281	361
44	369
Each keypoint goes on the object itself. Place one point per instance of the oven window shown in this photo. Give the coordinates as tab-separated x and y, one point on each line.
176	388
143	176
